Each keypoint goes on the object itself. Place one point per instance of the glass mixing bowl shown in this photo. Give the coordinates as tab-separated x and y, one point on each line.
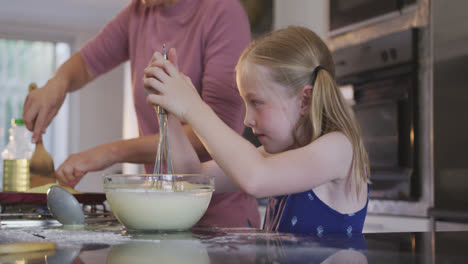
158	201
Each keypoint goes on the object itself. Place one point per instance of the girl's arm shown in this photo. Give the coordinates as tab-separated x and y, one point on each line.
326	159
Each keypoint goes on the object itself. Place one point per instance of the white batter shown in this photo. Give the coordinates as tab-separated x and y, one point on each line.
144	209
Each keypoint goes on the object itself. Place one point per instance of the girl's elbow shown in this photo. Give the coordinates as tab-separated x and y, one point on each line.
253	188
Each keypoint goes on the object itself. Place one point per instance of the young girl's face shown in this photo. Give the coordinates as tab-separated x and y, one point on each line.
271	111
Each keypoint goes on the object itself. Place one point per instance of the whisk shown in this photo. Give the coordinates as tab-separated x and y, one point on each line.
163	163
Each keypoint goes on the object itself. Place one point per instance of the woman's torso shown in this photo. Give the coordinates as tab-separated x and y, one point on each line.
186	26
208	45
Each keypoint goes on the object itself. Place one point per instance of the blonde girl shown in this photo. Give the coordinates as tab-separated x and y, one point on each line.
312	163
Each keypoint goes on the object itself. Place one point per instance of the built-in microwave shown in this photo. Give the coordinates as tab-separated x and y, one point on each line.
346	15
382	76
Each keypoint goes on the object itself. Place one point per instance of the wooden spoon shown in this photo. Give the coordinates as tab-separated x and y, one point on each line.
41	166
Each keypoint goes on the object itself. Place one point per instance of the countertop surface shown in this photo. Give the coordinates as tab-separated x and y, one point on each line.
106	241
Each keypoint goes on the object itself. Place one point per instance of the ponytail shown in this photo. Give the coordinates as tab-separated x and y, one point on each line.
330	112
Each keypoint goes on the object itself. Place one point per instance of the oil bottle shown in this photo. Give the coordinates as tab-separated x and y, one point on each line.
16	157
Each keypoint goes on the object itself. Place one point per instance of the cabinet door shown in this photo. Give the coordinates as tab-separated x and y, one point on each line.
388	224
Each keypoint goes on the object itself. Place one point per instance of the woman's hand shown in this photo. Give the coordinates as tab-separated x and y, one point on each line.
77	165
171	89
41	106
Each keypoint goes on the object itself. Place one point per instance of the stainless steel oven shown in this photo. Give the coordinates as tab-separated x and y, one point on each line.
349	14
382	77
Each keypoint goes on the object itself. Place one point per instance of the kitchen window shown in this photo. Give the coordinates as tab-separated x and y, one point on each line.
23	62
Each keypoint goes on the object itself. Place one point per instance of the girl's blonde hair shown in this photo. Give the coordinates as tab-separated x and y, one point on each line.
292	55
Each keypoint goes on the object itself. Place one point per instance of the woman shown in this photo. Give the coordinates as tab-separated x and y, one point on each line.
210	36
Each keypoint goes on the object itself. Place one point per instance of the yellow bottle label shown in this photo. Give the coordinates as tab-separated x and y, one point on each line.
16	175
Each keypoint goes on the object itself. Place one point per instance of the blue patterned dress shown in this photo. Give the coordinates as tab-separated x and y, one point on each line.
305	213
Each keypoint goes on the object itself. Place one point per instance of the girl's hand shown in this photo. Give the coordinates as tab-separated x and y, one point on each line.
172	89
171	56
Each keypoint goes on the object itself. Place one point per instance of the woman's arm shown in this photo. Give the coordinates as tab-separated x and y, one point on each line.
185	158
41	105
137	150
183	154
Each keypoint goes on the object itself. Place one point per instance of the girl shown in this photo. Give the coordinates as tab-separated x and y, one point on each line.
312	165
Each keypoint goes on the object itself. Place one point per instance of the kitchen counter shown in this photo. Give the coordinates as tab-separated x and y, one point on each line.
106	241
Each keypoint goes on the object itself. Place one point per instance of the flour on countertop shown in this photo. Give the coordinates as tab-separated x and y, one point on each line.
65	237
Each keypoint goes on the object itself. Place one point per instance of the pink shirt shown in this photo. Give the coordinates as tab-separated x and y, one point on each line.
209	37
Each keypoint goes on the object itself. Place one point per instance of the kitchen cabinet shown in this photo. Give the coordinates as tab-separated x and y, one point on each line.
450	226
387	224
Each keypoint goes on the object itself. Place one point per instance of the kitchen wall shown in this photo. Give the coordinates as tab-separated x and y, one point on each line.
96	111
311	14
